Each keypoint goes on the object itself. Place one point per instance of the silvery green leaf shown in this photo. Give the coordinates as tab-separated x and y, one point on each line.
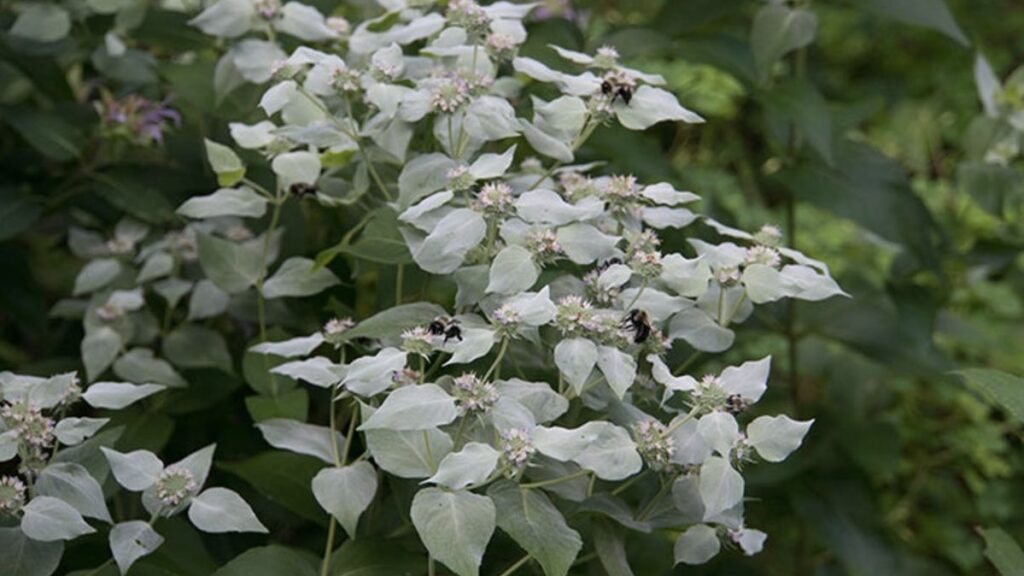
509	10
660	217
806	283
8	445
219	510
687	278
546	144
686	499
444	249
489	166
613	507
321	134
576	359
132	540
778	30
721	487
117	395
419	407
491	118
547	207
278	96
545	404
454	526
562	118
663	376
513	271
573	56
48	519
99	348
658	305
700	331
26	557
207	301
172	290
302	438
584	84
231	266
776	437
749	379
73	484
49	392
318	371
301	346
127	300
720	431
475	343
405	453
390	135
690	446
422	176
471	465
140	366
665	193
194	346
371	375
298	277
241	201
226	18
601	447
508	413
533	308
389	61
40	22
156	266
136	470
988	85
72	431
255	59
304	22
529	517
346	492
299	167
619	368
585	244
96	274
652	105
614	276
697	545
253	136
225	163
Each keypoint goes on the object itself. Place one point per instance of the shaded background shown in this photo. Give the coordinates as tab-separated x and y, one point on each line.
857	145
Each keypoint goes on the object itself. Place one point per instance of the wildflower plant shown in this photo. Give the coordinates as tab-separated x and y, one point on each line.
425	115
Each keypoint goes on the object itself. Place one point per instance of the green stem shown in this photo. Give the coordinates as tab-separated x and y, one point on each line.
458	433
352	419
625	485
637	297
430	453
650	505
325	564
497	360
675	426
264	256
431	570
559	480
519	564
588	129
399	283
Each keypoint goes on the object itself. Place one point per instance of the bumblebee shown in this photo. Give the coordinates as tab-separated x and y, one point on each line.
735	404
301	189
623	91
639	323
447	327
608	264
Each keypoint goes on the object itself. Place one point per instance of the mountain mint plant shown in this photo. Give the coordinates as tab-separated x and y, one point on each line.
540	402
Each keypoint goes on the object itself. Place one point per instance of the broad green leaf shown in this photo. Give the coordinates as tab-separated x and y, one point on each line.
454	526
283	478
304	22
776	437
371	375
408	453
529	517
720	431
241	201
302	438
136	470
1003	552
48	519
539	398
207	300
140	366
512	271
194	346
602	447
585	244
291	348
73	484
611	550
298	277
1006	389
619	368
444	249
225	163
650	106
42	22
721	487
419	407
220	510
389	324
132	540
472	464
296	168
232	267
777	31
375	557
71	431
697	545
317	370
273	560
226	18
117	395
576	358
346	492
96	274
800	104
26	557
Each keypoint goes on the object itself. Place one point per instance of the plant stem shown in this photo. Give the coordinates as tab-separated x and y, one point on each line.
588	129
431	570
625	486
675	426
497	360
519	564
399	283
264	255
558	480
325	564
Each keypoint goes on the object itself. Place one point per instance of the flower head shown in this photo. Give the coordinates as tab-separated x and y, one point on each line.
474	395
769	235
516	449
338	326
449	95
174	486
655	446
763	255
544	245
495	198
417	341
12	494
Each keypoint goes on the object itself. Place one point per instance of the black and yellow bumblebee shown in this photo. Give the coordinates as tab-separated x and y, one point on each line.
639	323
622	91
448	327
301	189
